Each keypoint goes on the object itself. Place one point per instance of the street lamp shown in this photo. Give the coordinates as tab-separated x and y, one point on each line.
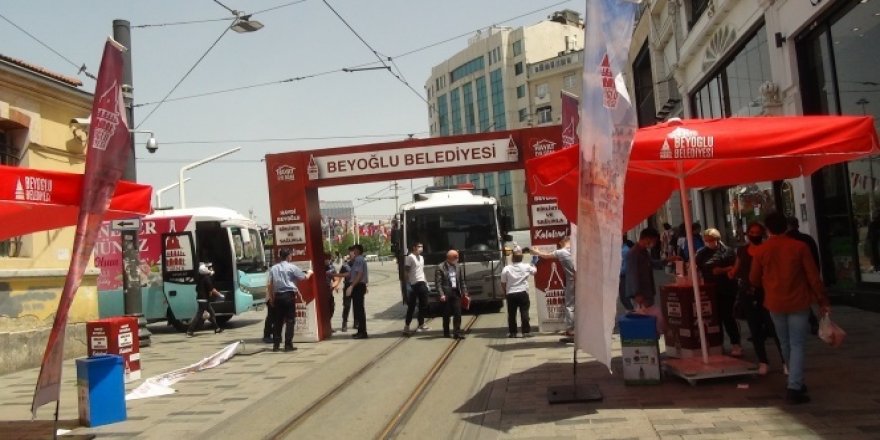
166	188
180	180
243	24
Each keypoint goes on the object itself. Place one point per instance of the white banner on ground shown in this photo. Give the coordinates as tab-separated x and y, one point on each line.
161	385
608	124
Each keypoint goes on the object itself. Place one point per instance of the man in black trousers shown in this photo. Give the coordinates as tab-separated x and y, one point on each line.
449	279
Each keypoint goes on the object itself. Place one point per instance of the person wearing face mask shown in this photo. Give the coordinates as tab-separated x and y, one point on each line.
714	261
205	292
752	298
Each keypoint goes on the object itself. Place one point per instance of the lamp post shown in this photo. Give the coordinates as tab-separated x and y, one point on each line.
180	180
166	188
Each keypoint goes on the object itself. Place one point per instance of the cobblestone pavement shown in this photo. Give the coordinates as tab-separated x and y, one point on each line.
510	398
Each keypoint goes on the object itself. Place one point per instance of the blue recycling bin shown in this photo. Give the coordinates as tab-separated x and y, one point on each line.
639	349
100	389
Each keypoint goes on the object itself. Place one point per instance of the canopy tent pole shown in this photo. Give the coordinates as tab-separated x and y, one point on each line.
692	263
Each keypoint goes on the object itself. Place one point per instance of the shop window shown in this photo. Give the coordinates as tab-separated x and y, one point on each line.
837	65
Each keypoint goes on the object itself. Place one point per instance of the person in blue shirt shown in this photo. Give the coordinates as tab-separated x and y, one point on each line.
358	290
282	295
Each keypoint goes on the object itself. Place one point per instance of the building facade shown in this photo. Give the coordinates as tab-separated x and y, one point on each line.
36	107
722	58
487	87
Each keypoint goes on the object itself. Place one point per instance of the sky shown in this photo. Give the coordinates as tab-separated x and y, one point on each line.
299	39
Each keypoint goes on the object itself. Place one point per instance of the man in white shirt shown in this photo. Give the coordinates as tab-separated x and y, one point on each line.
515	283
418	288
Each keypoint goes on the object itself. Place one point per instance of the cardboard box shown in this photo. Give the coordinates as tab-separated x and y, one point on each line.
117	335
682	329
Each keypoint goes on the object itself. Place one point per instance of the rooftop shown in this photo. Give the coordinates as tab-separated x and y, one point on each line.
42	71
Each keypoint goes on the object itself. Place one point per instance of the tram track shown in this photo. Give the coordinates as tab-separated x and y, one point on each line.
400	416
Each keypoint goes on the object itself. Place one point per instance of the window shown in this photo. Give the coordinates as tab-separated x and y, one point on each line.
545	115
499	121
8	154
443	115
482	103
518	68
521	91
475	180
569	82
470	67
697	7
517	48
505	192
494	55
523	114
837	66
735	89
470	121
489	183
646	110
543	90
455	103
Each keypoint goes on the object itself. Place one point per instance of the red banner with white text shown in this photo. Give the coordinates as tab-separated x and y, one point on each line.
106	157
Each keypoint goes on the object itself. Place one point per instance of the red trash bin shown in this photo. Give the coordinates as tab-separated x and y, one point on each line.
117	335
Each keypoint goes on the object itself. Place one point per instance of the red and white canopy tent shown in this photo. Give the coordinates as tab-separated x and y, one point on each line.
36	200
682	154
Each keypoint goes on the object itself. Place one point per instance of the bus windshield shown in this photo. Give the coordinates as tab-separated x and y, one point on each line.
472	230
248	250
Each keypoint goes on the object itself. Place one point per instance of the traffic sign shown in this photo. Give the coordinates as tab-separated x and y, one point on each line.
131	224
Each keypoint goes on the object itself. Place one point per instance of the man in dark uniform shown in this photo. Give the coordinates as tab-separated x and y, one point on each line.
449	279
205	291
360	277
282	295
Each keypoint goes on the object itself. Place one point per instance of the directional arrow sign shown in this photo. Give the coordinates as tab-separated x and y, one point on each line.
132	224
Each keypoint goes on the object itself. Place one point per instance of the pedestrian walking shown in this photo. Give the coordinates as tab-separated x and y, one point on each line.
563	255
785	269
750	299
332	284
360	277
795	233
418	289
450	282
283	294
205	292
515	284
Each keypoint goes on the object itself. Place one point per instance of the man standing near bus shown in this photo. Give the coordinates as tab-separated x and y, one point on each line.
418	288
449	279
358	290
282	295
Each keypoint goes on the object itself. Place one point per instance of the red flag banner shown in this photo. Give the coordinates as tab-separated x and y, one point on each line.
570	120
106	157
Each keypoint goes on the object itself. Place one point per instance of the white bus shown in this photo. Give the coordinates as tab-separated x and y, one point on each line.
172	244
463	219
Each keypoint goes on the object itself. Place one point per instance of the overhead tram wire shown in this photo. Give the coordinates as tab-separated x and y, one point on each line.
312	138
375	52
210	20
159	104
344	69
81	69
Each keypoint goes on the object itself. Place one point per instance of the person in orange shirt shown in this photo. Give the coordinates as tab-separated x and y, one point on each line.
784	268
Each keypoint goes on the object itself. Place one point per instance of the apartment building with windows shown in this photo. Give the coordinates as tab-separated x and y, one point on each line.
486	87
